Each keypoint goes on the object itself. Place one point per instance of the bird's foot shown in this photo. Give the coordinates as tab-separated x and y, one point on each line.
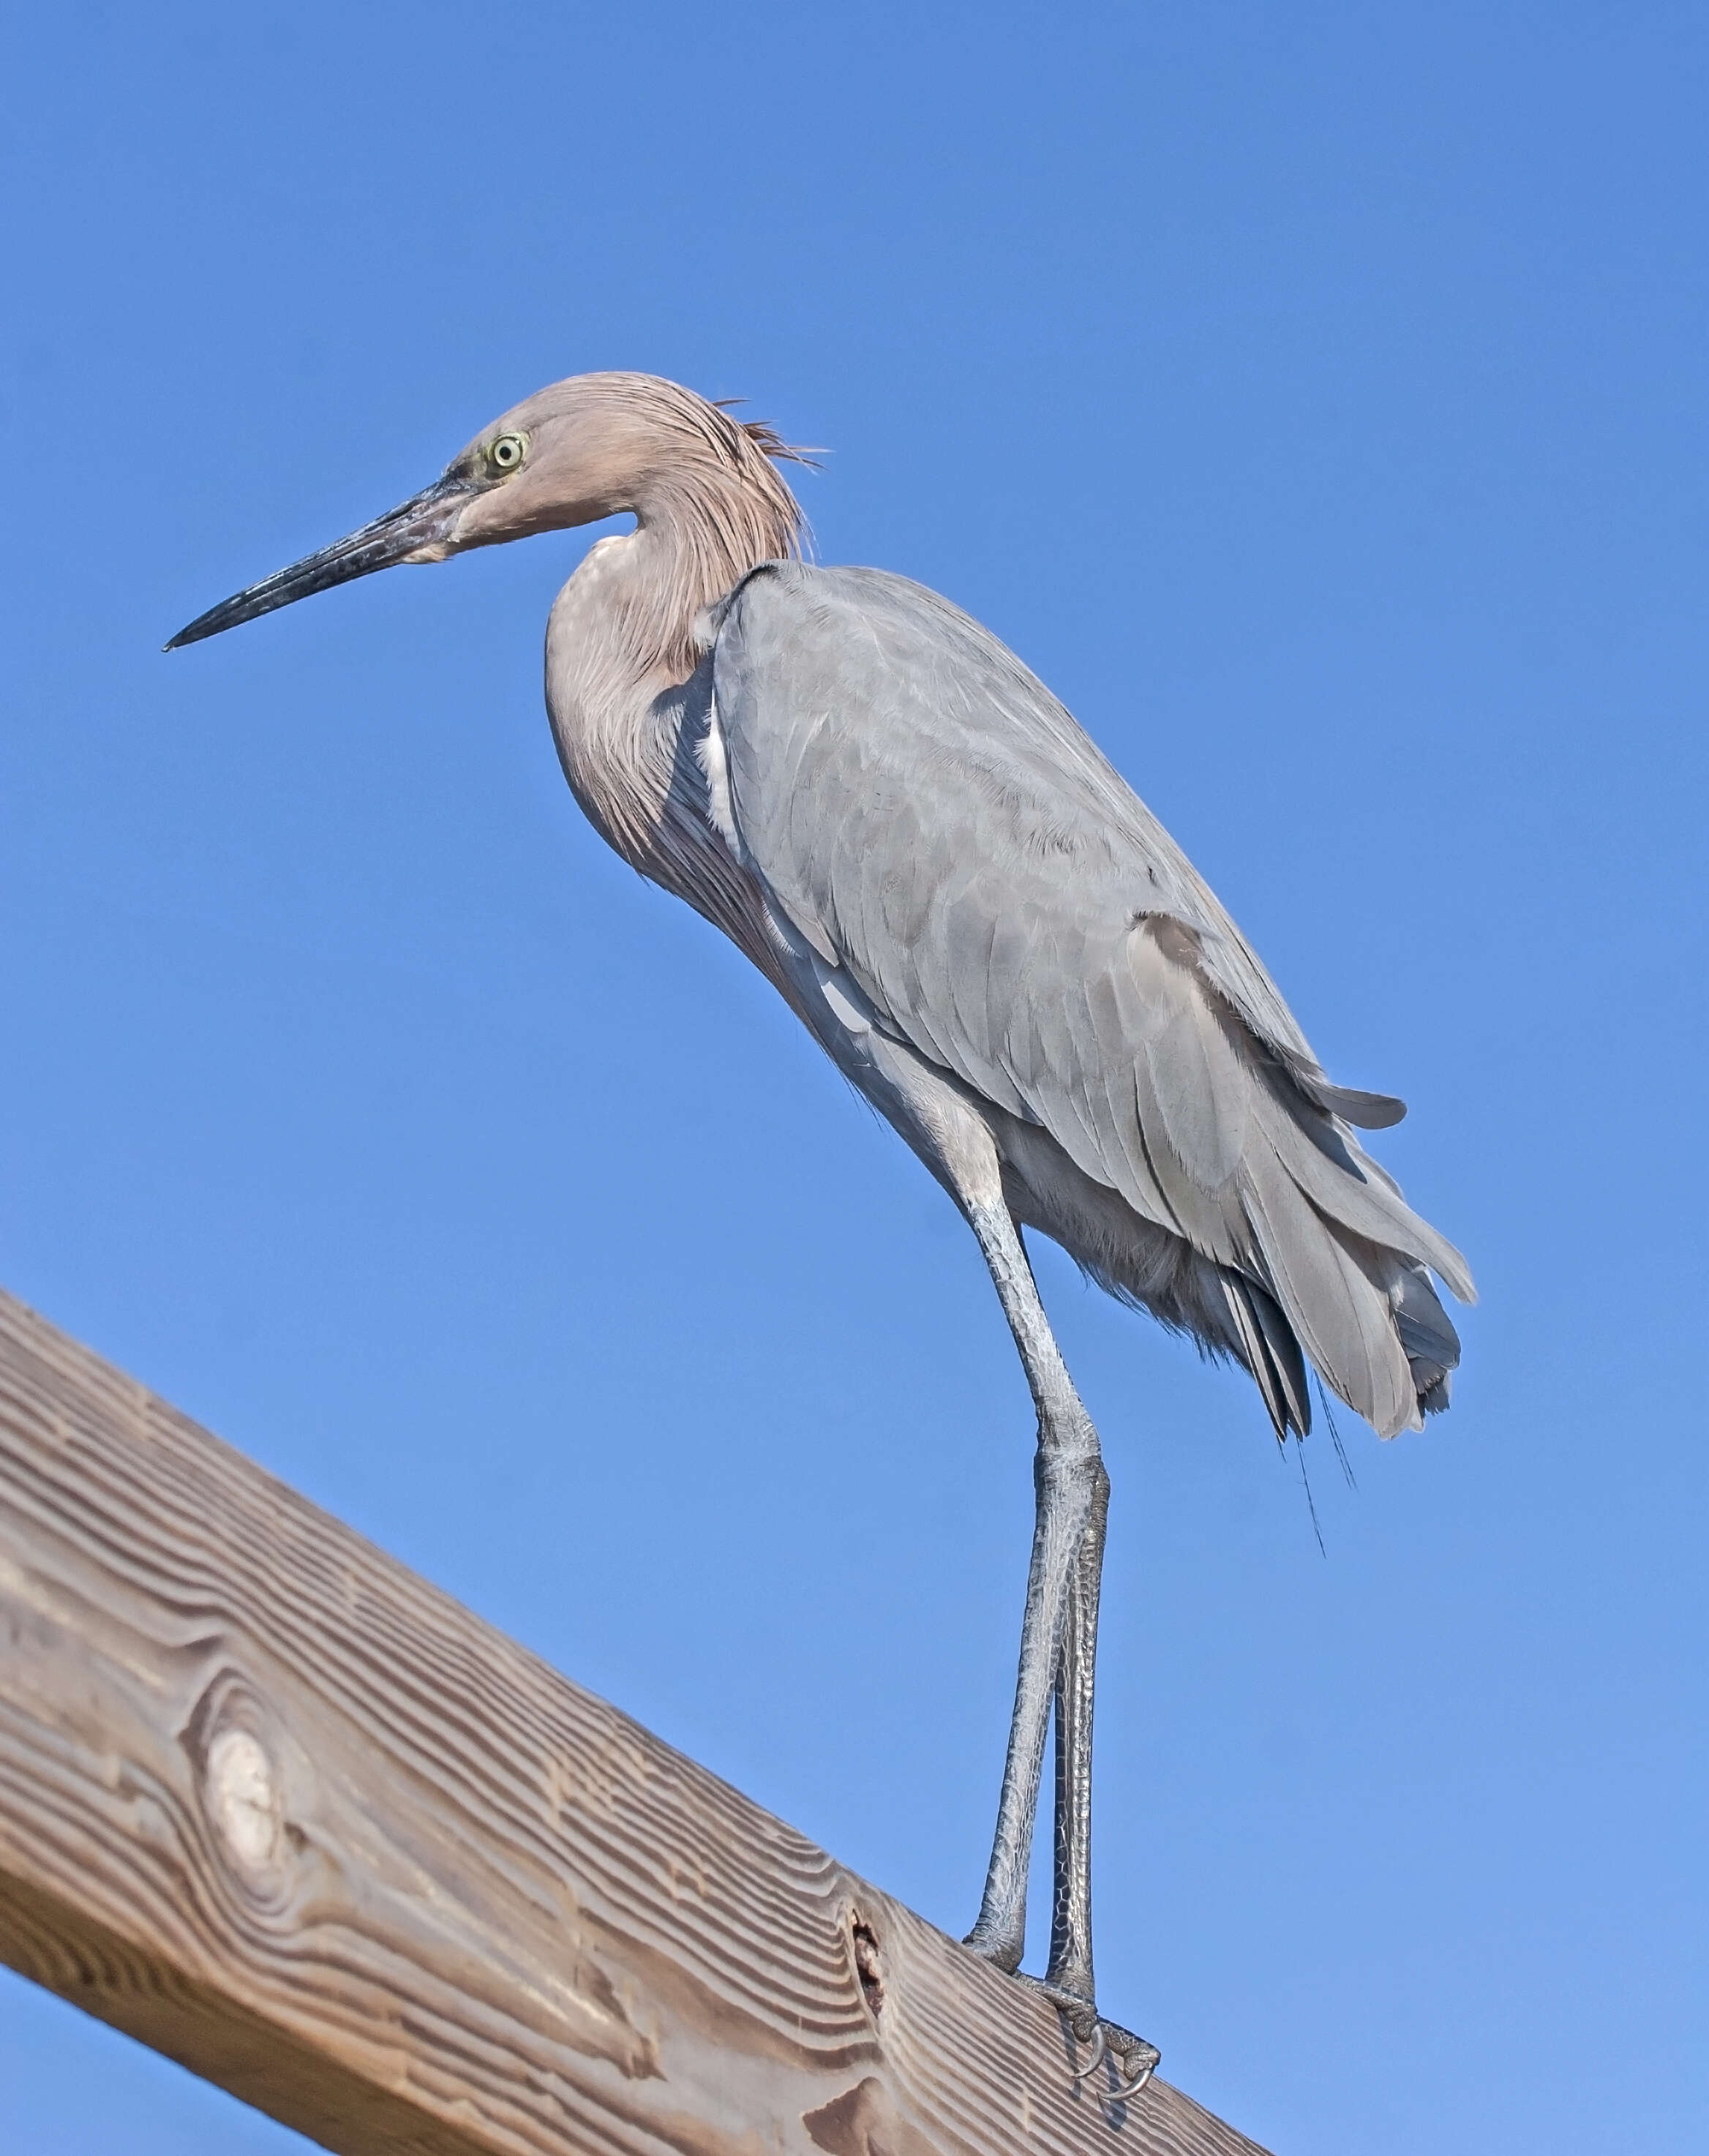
1133	2060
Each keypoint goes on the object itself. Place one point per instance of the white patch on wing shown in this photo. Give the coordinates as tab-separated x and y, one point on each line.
715	763
847	1006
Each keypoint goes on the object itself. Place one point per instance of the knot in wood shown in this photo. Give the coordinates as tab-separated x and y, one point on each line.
240	1757
240	1789
868	1970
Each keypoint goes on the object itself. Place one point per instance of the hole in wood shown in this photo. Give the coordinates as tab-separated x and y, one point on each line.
864	1941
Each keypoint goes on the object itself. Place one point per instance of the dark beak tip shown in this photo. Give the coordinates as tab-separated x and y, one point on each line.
421	521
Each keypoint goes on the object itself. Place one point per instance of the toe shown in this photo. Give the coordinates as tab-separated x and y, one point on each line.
1135	2061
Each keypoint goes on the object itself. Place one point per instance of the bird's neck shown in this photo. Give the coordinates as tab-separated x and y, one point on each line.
624	684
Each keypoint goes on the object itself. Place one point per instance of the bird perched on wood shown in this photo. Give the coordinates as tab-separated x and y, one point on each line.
992	937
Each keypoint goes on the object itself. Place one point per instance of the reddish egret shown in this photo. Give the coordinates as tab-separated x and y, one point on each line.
993	938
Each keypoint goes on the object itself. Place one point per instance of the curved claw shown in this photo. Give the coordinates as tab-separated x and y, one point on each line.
1098	2047
1123	2090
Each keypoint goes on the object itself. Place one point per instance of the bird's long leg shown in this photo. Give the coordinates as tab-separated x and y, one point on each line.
1059	1629
1072	1492
1059	1647
1070	1968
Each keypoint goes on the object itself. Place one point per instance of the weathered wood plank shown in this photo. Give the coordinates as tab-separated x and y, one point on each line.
288	1814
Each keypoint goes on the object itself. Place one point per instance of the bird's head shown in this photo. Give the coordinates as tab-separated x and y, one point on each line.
591	447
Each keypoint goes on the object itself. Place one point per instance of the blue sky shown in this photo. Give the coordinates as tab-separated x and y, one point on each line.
1314	396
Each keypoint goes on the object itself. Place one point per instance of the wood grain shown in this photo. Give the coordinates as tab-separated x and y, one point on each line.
286	1813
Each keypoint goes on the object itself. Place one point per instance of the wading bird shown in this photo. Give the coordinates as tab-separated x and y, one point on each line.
993	938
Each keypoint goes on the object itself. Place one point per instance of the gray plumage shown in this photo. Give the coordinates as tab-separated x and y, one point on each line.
1003	903
993	939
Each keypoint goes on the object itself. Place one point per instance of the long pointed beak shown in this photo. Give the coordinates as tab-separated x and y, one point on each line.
409	532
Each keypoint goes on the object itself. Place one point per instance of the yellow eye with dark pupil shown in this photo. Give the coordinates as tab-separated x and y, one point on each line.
506	453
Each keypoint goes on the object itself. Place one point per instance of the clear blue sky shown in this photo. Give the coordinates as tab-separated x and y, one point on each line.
1314	395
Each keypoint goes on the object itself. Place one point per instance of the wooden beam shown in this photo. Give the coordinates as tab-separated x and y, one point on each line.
293	1817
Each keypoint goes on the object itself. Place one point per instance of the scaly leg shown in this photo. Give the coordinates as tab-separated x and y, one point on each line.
1059	1628
1070	1964
1057	1658
1067	1475
1067	1978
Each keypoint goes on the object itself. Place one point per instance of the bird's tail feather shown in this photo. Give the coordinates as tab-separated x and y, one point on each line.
1271	1353
1348	1270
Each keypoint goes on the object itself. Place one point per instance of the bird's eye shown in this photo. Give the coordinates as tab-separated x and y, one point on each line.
507	452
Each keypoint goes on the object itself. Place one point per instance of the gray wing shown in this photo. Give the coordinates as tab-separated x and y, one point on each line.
929	817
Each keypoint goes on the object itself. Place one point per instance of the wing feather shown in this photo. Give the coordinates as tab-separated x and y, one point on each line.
929	817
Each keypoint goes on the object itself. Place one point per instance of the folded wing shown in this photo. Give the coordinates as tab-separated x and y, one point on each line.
928	817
